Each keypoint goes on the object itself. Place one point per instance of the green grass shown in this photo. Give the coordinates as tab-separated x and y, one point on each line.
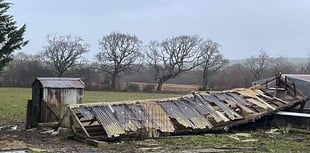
262	142
13	101
290	142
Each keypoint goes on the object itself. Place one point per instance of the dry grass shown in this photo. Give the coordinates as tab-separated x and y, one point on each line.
171	87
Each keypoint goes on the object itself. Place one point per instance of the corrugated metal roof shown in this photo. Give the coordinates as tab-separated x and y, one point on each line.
60	82
304	77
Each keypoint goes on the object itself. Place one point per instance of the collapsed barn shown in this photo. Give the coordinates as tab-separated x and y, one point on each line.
59	99
194	113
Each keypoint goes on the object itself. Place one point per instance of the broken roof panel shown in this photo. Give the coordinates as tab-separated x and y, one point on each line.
159	115
108	120
185	114
228	111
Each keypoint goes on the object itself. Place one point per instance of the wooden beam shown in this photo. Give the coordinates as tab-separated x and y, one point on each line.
80	124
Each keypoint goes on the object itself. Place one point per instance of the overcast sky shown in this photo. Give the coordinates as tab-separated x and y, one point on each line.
242	27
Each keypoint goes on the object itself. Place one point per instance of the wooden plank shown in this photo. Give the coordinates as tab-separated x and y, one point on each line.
262	101
244	108
231	114
75	118
216	114
238	99
257	103
53	125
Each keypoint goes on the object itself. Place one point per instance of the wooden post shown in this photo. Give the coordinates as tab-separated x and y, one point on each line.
285	82
31	116
28	115
294	89
301	107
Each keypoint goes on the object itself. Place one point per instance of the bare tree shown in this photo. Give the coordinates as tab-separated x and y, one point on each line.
305	67
63	52
213	60
257	64
280	65
234	76
23	69
119	53
173	56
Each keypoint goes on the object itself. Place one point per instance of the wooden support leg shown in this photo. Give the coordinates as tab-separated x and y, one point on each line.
301	107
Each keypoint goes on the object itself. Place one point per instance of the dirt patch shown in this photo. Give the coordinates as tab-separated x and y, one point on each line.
46	142
13	134
11	144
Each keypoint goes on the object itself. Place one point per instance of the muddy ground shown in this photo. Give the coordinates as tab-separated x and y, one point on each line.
12	133
36	139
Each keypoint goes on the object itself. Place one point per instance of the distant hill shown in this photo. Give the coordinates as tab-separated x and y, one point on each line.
294	60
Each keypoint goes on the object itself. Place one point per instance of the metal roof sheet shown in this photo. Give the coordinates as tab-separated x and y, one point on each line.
108	120
293	114
304	77
158	114
116	119
60	82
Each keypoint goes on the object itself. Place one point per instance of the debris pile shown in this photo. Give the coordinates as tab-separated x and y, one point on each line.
195	113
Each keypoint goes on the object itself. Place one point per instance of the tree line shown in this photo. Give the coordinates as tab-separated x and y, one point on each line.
122	57
120	54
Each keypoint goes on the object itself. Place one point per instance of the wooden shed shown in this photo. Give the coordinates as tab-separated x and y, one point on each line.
50	96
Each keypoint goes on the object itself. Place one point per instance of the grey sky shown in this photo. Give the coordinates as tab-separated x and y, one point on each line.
242	27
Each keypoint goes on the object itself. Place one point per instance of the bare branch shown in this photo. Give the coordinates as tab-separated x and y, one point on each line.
119	53
257	64
173	56
63	52
213	60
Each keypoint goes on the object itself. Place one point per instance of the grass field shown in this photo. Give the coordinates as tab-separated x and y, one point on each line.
13	109
13	101
256	141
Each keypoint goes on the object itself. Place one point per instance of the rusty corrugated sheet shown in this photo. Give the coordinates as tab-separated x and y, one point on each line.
55	82
177	113
58	99
108	120
159	115
117	119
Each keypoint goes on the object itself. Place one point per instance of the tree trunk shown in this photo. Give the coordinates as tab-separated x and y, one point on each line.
113	81
204	80
160	84
60	74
